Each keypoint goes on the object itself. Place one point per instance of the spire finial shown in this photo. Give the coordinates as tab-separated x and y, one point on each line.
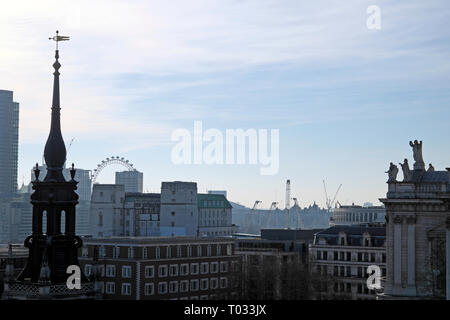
58	38
55	150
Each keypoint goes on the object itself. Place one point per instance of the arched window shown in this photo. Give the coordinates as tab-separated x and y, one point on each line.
44	222
62	222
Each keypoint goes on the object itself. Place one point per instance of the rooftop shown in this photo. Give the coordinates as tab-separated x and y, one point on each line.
153	240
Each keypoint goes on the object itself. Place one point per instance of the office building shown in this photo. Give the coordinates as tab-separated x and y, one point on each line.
342	254
348	215
214	215
175	268
9	142
132	180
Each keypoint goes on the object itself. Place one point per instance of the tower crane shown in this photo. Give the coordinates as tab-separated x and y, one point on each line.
328	201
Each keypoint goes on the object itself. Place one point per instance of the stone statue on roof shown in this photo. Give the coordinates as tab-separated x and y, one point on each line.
392	172
406	171
417	154
430	168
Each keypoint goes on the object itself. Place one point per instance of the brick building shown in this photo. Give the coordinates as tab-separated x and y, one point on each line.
163	268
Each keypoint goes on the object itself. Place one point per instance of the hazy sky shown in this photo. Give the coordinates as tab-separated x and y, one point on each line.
346	99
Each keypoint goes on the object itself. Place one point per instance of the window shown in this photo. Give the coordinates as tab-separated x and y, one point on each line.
126	271
229	250
214	267
214	283
100	219
84	251
88	270
223	282
110	288
158	253
102	252
162	287
173	286
208	250
179	251
224	266
130	253
189	251
204	284
168	252
199	251
149	289
173	270
184	286
194	285
101	269
116	252
144	253
101	287
162	271
110	270
184	271
149	271
219	249
204	267
126	289
194	268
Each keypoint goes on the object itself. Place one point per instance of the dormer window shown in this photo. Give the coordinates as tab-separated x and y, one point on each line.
367	242
342	239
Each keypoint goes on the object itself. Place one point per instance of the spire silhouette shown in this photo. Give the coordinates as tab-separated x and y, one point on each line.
55	149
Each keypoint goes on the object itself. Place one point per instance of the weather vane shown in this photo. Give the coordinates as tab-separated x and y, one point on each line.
58	38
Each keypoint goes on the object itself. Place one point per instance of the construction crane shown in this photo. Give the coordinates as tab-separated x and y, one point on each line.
329	203
273	206
256	204
68	148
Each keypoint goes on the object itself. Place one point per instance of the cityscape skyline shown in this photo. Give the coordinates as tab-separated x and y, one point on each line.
227	107
337	88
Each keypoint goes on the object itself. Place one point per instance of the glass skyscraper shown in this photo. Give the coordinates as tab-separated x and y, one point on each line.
9	142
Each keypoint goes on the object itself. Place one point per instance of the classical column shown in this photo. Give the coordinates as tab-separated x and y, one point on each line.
398	250
447	254
411	221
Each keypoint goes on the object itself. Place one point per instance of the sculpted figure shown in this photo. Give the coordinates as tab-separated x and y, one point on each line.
406	170
430	168
392	172
417	154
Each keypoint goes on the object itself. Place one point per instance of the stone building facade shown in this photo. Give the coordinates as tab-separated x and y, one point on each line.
418	240
342	254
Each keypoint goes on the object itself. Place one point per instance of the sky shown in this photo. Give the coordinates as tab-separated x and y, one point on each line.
346	99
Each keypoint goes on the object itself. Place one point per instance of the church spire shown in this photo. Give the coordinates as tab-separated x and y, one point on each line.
55	149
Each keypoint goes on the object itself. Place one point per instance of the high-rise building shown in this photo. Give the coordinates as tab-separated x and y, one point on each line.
132	180
9	141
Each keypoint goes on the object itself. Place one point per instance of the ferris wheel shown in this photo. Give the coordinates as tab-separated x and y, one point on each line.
108	161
